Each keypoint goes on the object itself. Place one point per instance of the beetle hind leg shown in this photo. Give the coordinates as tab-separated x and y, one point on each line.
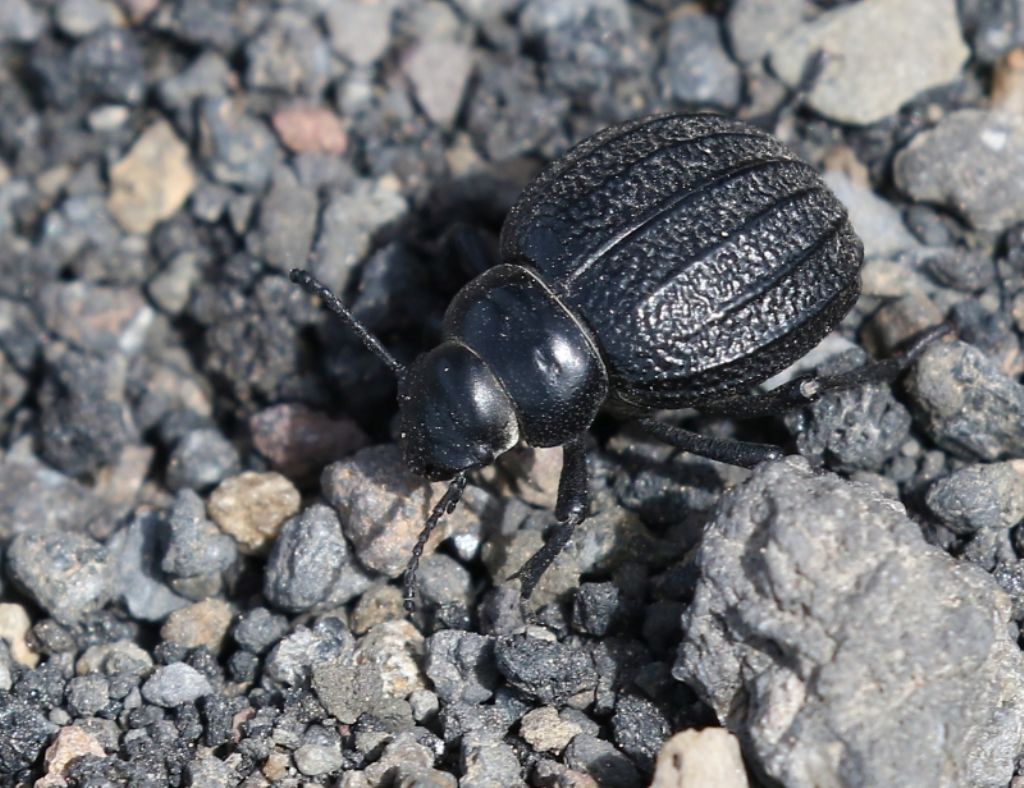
811	387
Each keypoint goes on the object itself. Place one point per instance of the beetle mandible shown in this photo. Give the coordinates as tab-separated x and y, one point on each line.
668	262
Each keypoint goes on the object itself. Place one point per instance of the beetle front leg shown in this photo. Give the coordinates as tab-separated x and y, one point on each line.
570	511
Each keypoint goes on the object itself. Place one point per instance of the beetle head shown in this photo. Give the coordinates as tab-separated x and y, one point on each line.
454	413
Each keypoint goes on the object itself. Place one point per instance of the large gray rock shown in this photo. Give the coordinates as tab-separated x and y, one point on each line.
879	55
843	649
972	162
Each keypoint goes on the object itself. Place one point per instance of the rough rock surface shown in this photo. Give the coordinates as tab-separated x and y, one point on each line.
844	650
870	70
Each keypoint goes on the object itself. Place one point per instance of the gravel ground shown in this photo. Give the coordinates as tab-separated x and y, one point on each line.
203	513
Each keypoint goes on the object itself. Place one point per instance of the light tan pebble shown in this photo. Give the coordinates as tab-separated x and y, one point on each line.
152	181
14	626
379	603
204	623
252	507
395	648
700	759
69	743
545	731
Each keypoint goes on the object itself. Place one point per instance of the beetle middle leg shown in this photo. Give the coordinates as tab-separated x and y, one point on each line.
727	450
570	511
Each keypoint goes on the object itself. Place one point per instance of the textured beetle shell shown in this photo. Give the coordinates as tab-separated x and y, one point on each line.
700	251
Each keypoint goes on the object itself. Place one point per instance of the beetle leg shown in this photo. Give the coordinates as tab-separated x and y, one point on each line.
570	511
809	388
733	452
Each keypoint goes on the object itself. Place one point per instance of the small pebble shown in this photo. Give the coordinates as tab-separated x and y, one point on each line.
486	761
252	507
258	629
979	496
439	70
68	575
970	407
602	761
359	31
545	731
174	684
375	486
70	742
461	666
315	760
14	627
698	70
152	181
204	623
285	223
692	759
194	545
201	459
235	147
310	129
552	673
306	561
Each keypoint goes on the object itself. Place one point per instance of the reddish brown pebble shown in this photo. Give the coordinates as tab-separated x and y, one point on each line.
70	743
299	441
305	129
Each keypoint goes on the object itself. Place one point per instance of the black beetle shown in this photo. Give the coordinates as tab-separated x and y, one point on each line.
673	261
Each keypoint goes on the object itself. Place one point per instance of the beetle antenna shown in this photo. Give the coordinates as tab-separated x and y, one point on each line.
445	506
331	301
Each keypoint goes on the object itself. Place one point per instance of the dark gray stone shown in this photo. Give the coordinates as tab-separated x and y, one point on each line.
85	422
602	761
202	459
547	671
236	148
855	429
979	496
108	65
640	728
970	407
290	662
194	545
288	55
68	575
87	695
824	593
306	561
993	27
20	22
486	761
135	551
698	70
287	220
259	629
972	162
461	666
34	497
24	731
595	608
